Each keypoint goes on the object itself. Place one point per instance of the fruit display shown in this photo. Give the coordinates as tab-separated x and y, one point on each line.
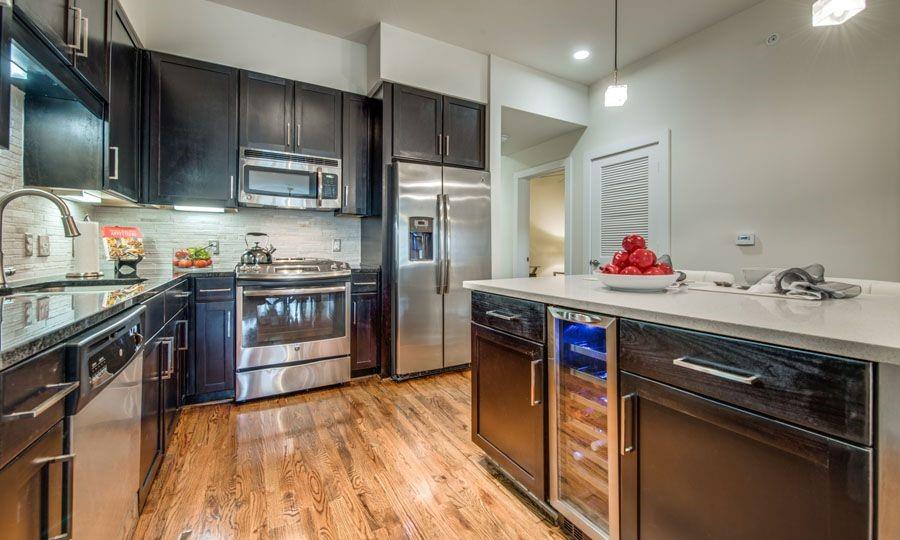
636	260
192	257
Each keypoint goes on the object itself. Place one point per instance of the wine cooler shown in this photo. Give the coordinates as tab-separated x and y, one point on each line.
584	475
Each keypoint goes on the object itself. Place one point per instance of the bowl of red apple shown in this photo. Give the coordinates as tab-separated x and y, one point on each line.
636	268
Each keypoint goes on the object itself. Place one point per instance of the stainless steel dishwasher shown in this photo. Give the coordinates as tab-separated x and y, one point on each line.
106	427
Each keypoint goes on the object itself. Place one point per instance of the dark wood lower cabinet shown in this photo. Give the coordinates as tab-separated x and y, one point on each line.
214	349
697	468
508	410
151	447
364	337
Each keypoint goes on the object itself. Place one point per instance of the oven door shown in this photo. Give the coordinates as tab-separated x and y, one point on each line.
292	323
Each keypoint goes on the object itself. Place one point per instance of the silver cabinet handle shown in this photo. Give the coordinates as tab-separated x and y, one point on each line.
297	142
685	362
500	315
346	195
447	146
366	283
214	290
63	458
289	135
83	52
78	27
302	291
184	335
67	460
181	294
169	342
626	423
64	389
228	324
318	186
535	364
354	313
231	187
440	144
580	317
115	175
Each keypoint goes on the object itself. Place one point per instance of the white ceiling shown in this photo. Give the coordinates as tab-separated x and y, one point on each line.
526	129
538	33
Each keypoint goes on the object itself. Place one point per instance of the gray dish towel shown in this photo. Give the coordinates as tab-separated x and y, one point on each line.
808	281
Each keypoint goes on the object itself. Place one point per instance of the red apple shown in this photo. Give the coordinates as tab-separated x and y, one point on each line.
665	268
642	258
633	242
620	259
610	269
631	271
655	271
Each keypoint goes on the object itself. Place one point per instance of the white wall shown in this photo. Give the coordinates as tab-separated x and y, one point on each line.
547	224
424	62
216	33
524	88
799	143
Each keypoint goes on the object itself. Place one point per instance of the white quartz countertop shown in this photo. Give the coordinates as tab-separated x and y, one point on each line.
866	327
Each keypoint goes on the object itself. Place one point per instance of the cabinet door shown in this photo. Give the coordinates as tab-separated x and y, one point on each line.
317	113
35	496
508	420
171	382
364	331
357	161
193	132
91	58
214	346
123	169
151	450
695	468
55	19
266	116
463	133
417	124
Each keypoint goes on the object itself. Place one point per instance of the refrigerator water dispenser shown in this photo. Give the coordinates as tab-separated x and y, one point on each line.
421	234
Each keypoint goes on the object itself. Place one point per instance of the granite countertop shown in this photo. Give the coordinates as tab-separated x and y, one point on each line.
31	322
866	327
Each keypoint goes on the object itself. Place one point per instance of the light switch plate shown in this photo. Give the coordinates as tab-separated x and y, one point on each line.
745	239
43	245
29	244
336	245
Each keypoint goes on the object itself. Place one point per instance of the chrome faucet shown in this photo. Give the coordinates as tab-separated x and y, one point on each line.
68	221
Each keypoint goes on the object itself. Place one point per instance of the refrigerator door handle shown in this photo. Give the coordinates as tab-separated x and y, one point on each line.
439	248
445	253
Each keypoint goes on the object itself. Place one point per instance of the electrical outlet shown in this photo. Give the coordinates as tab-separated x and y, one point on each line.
43	245
336	245
29	244
214	246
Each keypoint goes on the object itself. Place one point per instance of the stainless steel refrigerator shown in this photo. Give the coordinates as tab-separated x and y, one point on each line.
442	238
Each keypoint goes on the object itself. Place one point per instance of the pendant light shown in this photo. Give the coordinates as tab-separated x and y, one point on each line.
616	94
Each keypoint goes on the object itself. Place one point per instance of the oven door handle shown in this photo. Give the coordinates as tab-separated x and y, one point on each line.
303	291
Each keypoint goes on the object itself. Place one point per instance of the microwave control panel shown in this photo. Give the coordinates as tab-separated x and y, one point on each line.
329	186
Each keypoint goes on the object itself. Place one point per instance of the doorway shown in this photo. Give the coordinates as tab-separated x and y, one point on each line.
541	239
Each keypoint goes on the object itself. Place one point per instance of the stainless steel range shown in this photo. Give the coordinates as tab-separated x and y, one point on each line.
293	320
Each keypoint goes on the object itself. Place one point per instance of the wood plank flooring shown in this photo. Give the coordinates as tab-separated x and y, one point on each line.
372	459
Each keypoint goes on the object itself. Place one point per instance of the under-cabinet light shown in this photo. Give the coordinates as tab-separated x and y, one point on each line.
89	197
209	209
832	12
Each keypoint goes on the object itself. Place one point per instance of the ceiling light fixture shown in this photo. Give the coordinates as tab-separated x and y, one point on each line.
581	54
832	12
616	94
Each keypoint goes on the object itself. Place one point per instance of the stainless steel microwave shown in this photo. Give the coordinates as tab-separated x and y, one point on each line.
284	180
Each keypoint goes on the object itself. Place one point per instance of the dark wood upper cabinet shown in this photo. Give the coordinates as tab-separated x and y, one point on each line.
91	58
79	29
214	346
508	416
266	112
123	169
192	126
463	133
417	124
317	115
357	151
364	335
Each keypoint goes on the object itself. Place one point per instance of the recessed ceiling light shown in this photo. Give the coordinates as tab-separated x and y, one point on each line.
582	54
831	12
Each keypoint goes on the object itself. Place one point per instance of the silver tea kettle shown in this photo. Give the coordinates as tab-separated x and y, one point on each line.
256	254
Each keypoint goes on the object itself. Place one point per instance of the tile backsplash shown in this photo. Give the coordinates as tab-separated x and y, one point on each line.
30	215
294	233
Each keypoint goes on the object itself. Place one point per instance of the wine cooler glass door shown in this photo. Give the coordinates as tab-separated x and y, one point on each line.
583	434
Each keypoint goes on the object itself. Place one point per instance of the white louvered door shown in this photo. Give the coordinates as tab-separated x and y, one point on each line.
628	194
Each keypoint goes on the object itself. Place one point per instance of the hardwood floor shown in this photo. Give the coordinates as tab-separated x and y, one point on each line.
372	459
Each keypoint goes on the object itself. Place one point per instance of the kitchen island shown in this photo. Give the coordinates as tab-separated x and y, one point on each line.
711	396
